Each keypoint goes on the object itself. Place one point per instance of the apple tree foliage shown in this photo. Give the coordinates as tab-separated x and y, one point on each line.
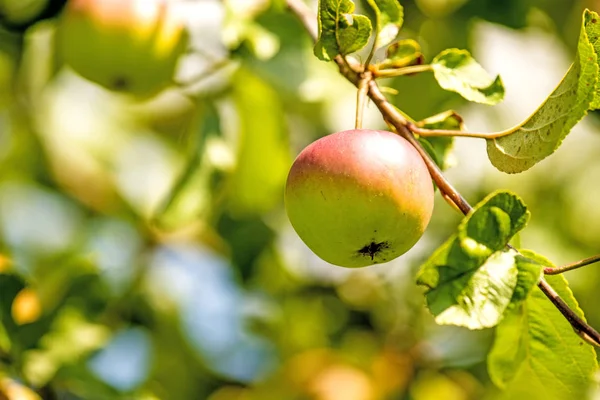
145	253
476	279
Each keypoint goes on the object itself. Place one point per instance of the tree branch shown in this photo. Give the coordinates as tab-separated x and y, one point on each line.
572	266
585	331
394	118
306	16
401	125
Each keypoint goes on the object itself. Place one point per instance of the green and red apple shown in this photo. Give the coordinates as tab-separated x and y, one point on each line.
359	197
129	46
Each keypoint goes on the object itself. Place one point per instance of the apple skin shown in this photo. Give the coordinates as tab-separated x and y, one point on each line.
359	197
129	46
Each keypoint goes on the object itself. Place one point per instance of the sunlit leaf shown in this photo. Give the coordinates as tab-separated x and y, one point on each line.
493	222
536	354
530	272
471	279
190	194
340	31
240	26
390	16
440	147
70	338
475	298
542	133
263	154
457	71
401	54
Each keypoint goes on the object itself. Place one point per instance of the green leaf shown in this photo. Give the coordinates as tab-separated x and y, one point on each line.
542	133
494	222
456	71
241	27
190	195
390	16
530	273
402	54
263	154
536	354
475	298
472	278
440	147
449	120
10	286
70	339
340	31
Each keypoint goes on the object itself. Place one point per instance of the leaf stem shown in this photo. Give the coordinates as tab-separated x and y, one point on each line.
371	54
401	125
444	132
361	98
572	266
412	69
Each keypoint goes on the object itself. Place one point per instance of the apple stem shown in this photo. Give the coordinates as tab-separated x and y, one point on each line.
402	127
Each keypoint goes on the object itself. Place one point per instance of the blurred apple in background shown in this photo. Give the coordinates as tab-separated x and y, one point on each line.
129	46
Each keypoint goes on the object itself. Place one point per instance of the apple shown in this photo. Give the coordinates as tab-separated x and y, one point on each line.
129	46
359	197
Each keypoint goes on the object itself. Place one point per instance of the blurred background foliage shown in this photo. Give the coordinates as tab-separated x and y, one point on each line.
145	251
